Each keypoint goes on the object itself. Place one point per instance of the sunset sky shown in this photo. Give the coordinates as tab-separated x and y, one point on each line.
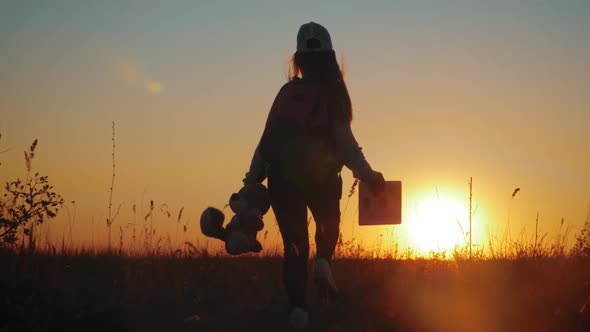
441	91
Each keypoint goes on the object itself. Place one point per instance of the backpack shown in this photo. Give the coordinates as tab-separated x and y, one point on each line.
297	140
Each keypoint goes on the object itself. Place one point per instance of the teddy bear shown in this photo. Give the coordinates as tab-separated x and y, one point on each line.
249	205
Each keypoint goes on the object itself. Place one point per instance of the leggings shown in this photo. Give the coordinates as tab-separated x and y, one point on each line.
290	203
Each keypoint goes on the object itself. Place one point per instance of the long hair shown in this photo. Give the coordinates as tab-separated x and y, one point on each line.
323	69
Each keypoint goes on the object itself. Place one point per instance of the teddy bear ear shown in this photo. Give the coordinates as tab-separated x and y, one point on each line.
238	205
212	223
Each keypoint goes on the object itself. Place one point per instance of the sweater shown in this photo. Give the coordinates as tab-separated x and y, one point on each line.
304	104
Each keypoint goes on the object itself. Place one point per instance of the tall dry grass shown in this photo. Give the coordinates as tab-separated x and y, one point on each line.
141	236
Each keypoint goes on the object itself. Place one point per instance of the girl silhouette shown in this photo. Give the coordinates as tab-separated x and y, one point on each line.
306	142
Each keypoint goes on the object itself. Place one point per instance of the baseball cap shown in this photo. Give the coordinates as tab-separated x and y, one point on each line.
313	37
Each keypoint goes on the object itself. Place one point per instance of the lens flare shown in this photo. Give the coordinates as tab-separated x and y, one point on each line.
153	87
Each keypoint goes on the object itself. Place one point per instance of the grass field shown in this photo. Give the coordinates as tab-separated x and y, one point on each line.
109	293
151	284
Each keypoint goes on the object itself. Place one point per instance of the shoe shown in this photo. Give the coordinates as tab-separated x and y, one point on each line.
298	320
324	280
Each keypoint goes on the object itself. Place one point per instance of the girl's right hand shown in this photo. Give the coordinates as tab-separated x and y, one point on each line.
377	183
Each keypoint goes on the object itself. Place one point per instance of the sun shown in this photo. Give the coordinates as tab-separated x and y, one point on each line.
437	224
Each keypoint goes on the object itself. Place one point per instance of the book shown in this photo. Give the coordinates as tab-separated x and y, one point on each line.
382	209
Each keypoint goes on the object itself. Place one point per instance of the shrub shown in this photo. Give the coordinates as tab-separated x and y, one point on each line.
26	203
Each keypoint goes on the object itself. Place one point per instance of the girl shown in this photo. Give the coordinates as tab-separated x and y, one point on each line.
306	142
